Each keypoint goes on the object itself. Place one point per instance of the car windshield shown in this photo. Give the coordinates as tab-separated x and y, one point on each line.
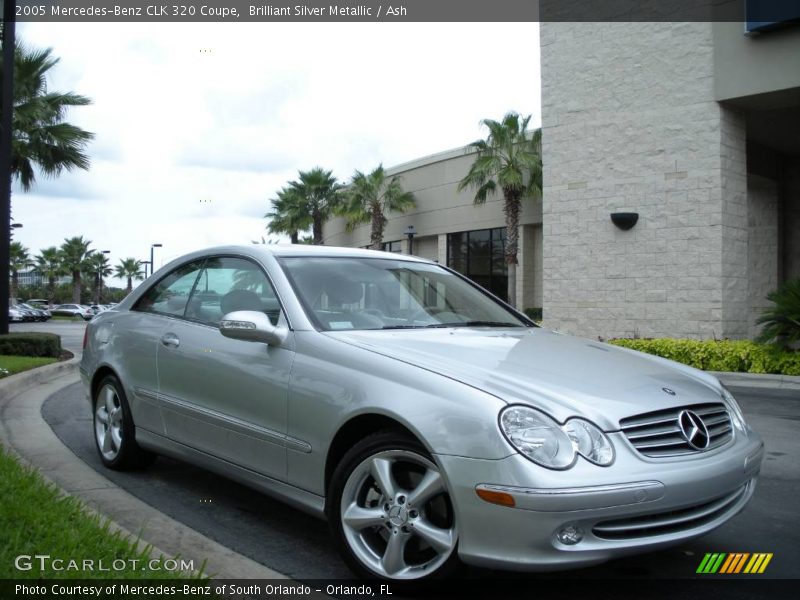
346	293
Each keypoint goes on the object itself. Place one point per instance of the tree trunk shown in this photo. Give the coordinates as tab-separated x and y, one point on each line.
317	228
511	208
376	235
76	287
97	285
14	284
294	237
130	284
51	284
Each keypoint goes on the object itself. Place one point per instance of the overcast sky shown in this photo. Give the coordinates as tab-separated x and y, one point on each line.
198	125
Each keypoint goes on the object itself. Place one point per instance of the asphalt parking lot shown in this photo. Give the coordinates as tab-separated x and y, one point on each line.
299	545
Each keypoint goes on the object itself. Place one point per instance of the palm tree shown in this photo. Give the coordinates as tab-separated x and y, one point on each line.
130	269
370	197
289	214
19	260
41	137
97	264
782	321
74	252
48	263
321	194
509	158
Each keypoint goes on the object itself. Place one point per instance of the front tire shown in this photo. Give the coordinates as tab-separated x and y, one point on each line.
114	431
390	511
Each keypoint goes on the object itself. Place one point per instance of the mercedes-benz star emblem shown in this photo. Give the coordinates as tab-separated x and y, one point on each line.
693	429
668	391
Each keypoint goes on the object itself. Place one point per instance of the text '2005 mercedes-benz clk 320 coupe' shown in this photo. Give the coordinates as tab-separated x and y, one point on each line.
430	423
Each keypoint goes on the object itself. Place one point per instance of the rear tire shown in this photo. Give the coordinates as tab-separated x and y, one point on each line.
114	431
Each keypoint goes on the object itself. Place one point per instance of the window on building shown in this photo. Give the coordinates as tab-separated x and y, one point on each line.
396	247
480	255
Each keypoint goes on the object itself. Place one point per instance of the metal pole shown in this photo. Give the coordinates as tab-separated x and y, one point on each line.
9	15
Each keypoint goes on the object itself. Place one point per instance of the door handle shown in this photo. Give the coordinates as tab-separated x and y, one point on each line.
171	340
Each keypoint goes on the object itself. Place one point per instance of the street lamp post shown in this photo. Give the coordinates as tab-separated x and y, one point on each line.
153	264
7	106
145	263
410	232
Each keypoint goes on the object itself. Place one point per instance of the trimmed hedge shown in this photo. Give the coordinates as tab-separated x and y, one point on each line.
740	356
31	344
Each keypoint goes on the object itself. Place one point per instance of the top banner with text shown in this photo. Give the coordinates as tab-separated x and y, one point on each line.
406	10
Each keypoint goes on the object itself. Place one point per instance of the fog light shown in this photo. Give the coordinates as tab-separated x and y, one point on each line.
570	535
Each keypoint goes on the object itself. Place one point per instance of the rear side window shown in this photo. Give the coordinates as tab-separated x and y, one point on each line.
170	296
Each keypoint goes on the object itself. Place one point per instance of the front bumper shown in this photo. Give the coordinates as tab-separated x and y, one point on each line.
635	505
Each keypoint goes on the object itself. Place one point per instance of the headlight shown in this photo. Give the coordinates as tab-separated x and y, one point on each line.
538	437
590	442
736	412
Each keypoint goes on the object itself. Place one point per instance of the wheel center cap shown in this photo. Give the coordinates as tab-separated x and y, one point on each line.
398	515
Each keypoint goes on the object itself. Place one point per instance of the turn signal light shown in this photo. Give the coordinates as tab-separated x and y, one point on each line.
493	497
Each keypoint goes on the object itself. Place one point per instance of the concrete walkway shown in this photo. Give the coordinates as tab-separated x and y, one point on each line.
24	432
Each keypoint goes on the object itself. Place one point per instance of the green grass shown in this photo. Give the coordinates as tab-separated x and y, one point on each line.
35	518
66	318
16	364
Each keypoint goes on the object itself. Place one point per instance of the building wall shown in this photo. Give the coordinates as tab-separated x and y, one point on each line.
630	123
762	250
757	64
791	252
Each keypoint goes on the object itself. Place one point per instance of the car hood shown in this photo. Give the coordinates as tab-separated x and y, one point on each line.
561	374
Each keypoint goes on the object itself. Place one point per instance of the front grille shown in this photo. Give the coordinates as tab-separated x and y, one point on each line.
668	522
658	434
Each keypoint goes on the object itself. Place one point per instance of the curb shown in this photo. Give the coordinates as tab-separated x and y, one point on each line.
14	385
21	398
759	380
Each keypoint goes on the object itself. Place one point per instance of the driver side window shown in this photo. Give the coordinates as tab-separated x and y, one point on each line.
229	284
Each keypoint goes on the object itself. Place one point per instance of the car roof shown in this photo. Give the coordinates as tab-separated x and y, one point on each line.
290	250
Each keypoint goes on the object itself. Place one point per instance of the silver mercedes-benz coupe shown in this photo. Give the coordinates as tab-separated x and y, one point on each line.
429	422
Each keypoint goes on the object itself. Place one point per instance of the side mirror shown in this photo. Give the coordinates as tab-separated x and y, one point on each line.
252	326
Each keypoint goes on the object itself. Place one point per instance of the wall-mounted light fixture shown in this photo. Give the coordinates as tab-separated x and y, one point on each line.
624	220
410	233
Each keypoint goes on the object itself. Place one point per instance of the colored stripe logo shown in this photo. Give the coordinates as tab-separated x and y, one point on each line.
734	562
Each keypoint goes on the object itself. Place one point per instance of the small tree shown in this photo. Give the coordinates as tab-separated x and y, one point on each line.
48	263
289	214
74	252
370	197
319	191
19	260
130	269
97	265
782	321
510	158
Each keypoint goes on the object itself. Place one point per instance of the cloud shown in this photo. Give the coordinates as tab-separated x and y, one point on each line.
231	124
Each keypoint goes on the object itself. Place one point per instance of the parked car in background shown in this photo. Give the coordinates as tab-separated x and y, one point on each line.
428	421
73	310
39	313
15	315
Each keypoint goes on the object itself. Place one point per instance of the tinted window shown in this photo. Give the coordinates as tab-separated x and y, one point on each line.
228	284
171	295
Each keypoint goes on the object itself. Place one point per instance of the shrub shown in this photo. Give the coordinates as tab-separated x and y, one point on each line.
782	321
727	355
534	314
31	344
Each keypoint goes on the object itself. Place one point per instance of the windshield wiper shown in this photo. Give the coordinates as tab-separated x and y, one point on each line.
481	324
415	326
